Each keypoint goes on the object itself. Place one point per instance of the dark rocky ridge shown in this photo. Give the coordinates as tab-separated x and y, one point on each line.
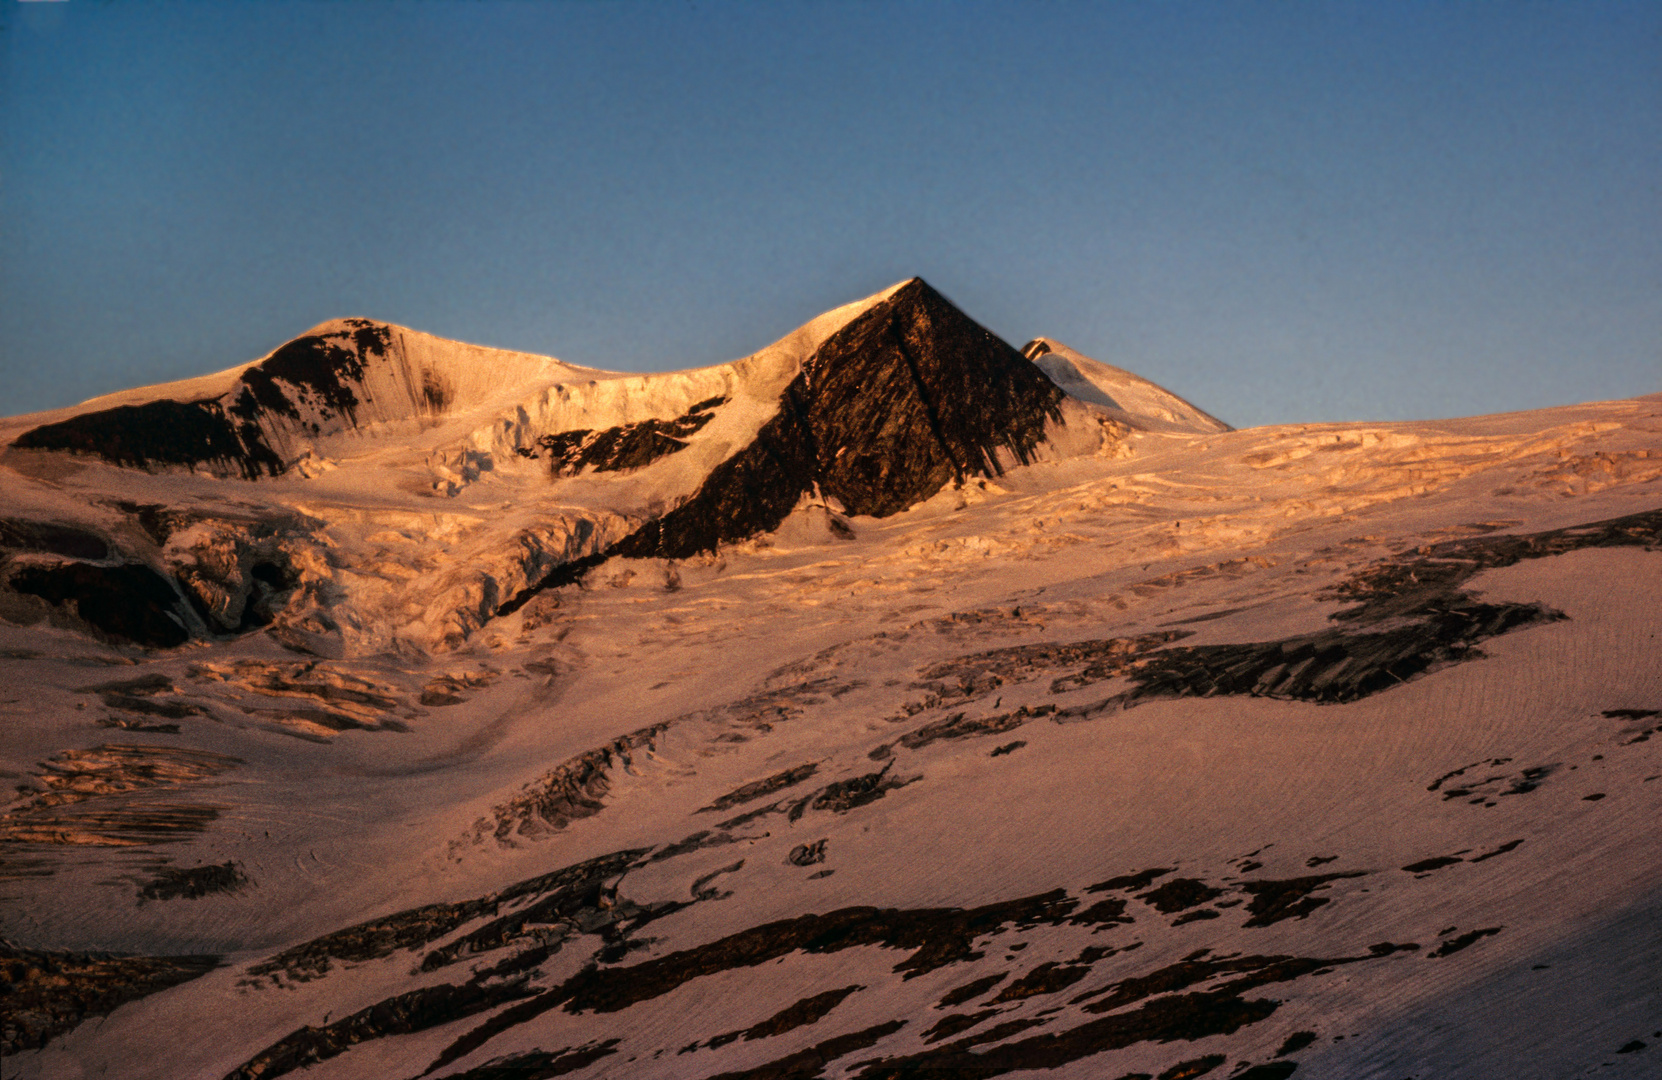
1411	618
629	446
319	370
908	397
43	994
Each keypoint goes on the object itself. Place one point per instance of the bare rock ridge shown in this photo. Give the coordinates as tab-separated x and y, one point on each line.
318	378
910	396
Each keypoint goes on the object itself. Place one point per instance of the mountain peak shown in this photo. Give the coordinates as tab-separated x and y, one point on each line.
907	397
1137	399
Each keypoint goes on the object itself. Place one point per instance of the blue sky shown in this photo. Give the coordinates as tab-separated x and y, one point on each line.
1283	211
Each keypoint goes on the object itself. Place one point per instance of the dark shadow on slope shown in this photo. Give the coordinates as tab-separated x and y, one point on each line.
52	538
127	602
1595	987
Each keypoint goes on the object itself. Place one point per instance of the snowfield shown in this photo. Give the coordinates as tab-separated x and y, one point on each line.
890	703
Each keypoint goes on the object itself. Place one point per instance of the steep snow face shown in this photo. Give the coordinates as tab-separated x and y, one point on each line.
1130	398
1205	749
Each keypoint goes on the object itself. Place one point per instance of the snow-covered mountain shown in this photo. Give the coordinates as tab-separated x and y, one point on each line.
890	702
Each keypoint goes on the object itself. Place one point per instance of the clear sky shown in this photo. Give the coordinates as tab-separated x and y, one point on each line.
1282	211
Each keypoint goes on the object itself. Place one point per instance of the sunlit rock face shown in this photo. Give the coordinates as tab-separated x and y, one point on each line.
888	703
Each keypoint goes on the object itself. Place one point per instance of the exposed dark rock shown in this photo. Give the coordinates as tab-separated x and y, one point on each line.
762	788
807	854
113	795
319	370
143	696
225	433
143	686
1047	978
157	521
1331	666
698	841
846	795
557	899
810	1063
123	724
1462	770
570	791
935	938
1400	585
1179	894
1188	972
959	726
1186	1070
1184	1016
1466	940
416	1010
982	672
1129	882
371	940
171	883
701	888
810	1010
546	911
1008	748
128	602
631	446
1427	865
954	1023
1002	1031
1510	845
172	710
1288	898
453	689
163	432
419	926
44	994
1295	1042
970	990
1421	621
1110	912
908	397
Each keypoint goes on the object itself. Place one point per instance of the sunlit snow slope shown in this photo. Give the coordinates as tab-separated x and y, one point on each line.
891	703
